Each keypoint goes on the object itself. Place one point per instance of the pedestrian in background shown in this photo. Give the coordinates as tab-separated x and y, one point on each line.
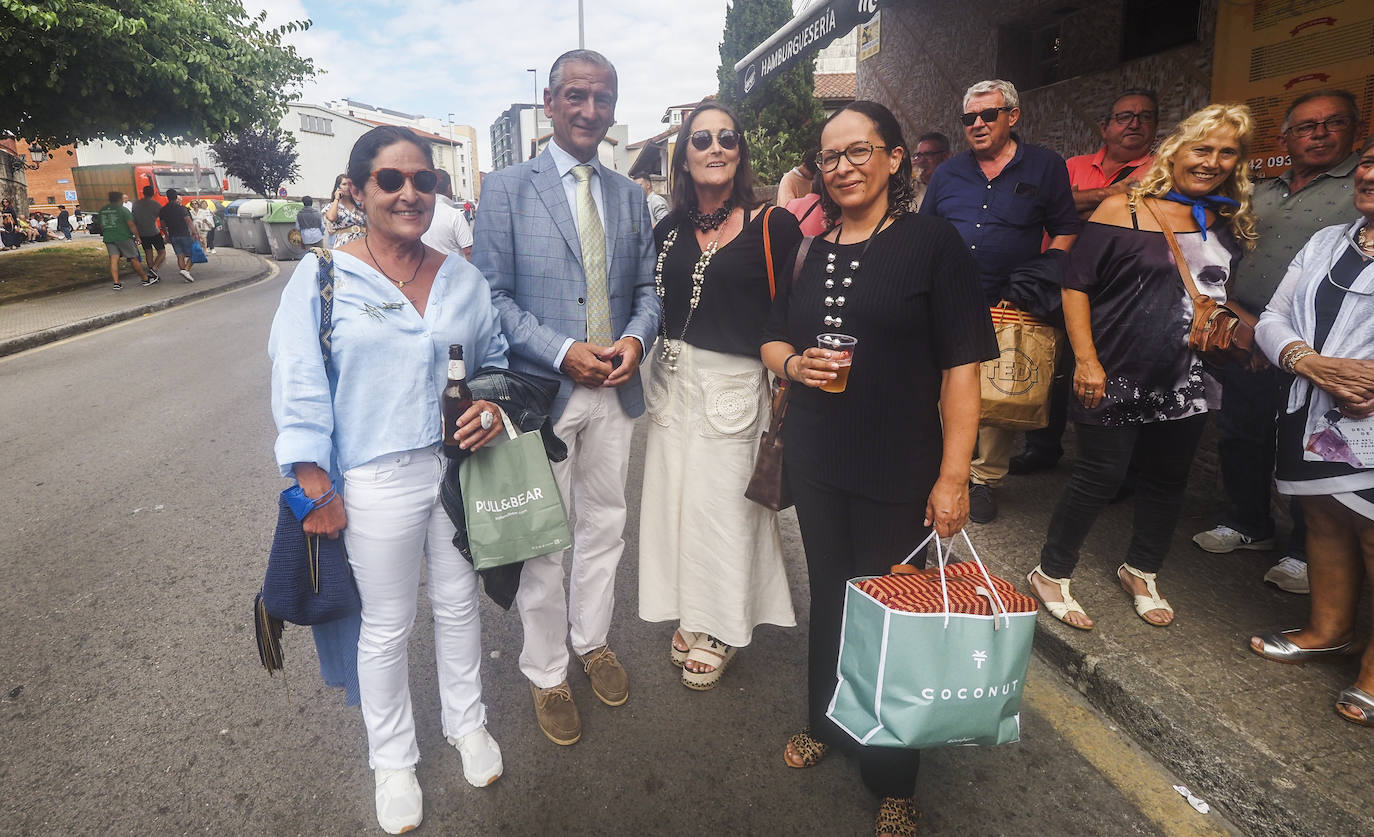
373	419
120	234
347	221
658	206
932	149
797	181
573	280
310	223
1317	327
64	222
204	219
176	220
710	559
1138	388
1319	133
874	466
145	211
450	231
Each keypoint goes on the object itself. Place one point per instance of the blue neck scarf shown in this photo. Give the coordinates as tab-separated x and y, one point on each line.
1200	206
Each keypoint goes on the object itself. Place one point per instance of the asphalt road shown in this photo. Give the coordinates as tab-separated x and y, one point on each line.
138	496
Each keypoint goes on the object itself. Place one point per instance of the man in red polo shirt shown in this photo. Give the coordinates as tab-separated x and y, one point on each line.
1128	137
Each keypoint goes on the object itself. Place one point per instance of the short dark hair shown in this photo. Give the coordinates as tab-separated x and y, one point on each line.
114	196
684	190
173	194
580	56
444	185
147	191
935	137
306	201
369	145
1344	95
1131	91
898	185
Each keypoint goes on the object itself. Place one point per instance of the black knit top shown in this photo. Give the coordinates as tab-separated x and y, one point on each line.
916	307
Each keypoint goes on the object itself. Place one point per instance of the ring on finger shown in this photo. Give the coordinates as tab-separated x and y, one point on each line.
487	419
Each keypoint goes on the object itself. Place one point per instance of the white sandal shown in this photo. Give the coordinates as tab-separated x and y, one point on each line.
1059	609
1145	604
690	638
708	651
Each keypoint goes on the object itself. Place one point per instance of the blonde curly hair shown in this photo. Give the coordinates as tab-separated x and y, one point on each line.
1159	179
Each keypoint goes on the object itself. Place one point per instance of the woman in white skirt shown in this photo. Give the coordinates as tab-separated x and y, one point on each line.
710	559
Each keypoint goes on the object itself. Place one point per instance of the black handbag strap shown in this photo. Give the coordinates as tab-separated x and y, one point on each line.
324	277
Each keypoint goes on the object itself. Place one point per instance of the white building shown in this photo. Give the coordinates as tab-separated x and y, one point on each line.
454	145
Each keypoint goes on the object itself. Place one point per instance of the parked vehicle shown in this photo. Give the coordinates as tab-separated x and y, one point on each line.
94	183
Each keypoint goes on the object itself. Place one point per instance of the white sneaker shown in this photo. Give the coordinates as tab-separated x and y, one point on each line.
211	251
186	274
1224	539
1289	575
399	802
481	757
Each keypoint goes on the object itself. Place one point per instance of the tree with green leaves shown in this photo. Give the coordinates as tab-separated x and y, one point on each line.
785	108
263	158
142	70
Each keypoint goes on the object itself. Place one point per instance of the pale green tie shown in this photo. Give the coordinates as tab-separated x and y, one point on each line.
593	239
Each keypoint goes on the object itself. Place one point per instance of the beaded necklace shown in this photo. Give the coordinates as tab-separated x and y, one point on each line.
837	301
672	348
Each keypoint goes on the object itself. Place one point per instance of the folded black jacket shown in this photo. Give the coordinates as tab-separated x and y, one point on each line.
526	400
1035	287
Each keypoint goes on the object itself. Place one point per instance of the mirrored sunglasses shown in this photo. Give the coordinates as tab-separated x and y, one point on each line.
394	180
728	139
988	115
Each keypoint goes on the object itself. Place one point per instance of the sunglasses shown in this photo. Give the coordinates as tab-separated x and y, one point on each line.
394	180
728	139
988	115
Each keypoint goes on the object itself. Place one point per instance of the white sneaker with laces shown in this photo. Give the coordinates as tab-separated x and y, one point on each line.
1289	575
399	802
1224	539
186	274
481	757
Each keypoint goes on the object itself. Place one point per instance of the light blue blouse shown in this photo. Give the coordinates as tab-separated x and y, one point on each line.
389	365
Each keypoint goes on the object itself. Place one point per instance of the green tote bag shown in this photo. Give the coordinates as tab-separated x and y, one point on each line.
513	508
932	658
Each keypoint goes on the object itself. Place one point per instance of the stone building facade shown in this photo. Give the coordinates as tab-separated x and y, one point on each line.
933	50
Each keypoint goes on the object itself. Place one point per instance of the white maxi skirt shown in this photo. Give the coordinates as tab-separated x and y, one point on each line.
708	558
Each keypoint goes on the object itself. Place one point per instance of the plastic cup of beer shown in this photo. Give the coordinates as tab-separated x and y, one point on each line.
844	344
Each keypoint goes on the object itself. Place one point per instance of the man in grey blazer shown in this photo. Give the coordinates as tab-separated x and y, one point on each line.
567	246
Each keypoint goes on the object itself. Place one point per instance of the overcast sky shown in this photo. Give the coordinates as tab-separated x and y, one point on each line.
470	57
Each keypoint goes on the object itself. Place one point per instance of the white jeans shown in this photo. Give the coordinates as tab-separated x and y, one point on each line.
592	482
395	520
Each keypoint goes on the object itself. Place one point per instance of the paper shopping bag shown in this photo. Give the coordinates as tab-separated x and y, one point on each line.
1016	384
930	658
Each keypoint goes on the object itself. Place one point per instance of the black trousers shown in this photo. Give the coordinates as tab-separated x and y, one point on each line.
1246	433
1163	453
847	536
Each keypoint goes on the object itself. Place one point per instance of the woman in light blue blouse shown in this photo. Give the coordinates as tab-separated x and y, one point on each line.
371	424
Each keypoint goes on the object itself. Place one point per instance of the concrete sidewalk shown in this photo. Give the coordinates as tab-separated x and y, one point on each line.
1259	739
35	322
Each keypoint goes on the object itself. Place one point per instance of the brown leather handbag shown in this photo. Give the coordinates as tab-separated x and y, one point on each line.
767	485
1221	334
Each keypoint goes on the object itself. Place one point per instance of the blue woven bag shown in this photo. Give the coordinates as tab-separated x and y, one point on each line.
308	580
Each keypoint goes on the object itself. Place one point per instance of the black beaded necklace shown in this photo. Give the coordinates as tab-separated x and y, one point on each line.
710	220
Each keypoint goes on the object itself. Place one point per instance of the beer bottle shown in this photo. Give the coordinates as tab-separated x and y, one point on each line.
457	396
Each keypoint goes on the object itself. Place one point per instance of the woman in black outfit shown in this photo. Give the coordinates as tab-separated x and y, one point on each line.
873	467
709	559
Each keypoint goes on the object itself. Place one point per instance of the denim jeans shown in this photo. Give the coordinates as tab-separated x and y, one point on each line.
1163	455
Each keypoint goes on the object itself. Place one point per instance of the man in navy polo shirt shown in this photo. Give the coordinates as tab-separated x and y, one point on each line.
1004	196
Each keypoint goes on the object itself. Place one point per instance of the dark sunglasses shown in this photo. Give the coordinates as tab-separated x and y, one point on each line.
988	115
394	180
701	140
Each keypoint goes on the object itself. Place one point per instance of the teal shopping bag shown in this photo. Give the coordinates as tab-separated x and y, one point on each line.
916	672
513	508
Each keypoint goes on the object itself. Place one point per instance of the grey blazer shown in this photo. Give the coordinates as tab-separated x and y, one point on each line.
525	243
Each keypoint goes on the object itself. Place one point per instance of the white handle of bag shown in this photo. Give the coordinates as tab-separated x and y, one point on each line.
940	557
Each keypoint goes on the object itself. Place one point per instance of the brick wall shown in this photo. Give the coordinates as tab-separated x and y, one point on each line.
43	183
933	50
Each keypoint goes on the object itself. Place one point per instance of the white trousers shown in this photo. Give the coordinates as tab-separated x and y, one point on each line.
592	482
395	521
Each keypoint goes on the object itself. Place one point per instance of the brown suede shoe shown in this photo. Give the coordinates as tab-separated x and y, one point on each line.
557	714
610	683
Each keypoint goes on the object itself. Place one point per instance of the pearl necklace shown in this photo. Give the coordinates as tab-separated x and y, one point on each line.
672	348
837	301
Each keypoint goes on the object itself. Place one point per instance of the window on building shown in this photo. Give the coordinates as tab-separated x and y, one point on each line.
1028	53
1150	26
316	124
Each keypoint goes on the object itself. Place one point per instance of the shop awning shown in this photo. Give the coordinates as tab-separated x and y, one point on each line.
804	35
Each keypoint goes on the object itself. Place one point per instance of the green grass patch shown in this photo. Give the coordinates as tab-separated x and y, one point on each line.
53	269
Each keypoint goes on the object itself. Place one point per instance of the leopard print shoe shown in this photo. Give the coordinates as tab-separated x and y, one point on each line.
896	817
808	748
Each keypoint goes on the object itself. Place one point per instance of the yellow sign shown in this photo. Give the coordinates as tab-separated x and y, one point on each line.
868	37
1269	52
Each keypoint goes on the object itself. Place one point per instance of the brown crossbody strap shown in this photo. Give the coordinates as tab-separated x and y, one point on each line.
1179	262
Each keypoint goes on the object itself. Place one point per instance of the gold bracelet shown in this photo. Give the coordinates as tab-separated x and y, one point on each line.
1290	363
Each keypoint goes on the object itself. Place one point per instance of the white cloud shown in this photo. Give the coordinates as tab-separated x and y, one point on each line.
469	57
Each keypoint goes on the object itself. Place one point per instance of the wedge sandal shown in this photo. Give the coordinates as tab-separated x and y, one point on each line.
690	638
809	749
707	651
1145	604
1059	609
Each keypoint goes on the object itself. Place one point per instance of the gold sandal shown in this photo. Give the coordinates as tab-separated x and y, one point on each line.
808	748
896	816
